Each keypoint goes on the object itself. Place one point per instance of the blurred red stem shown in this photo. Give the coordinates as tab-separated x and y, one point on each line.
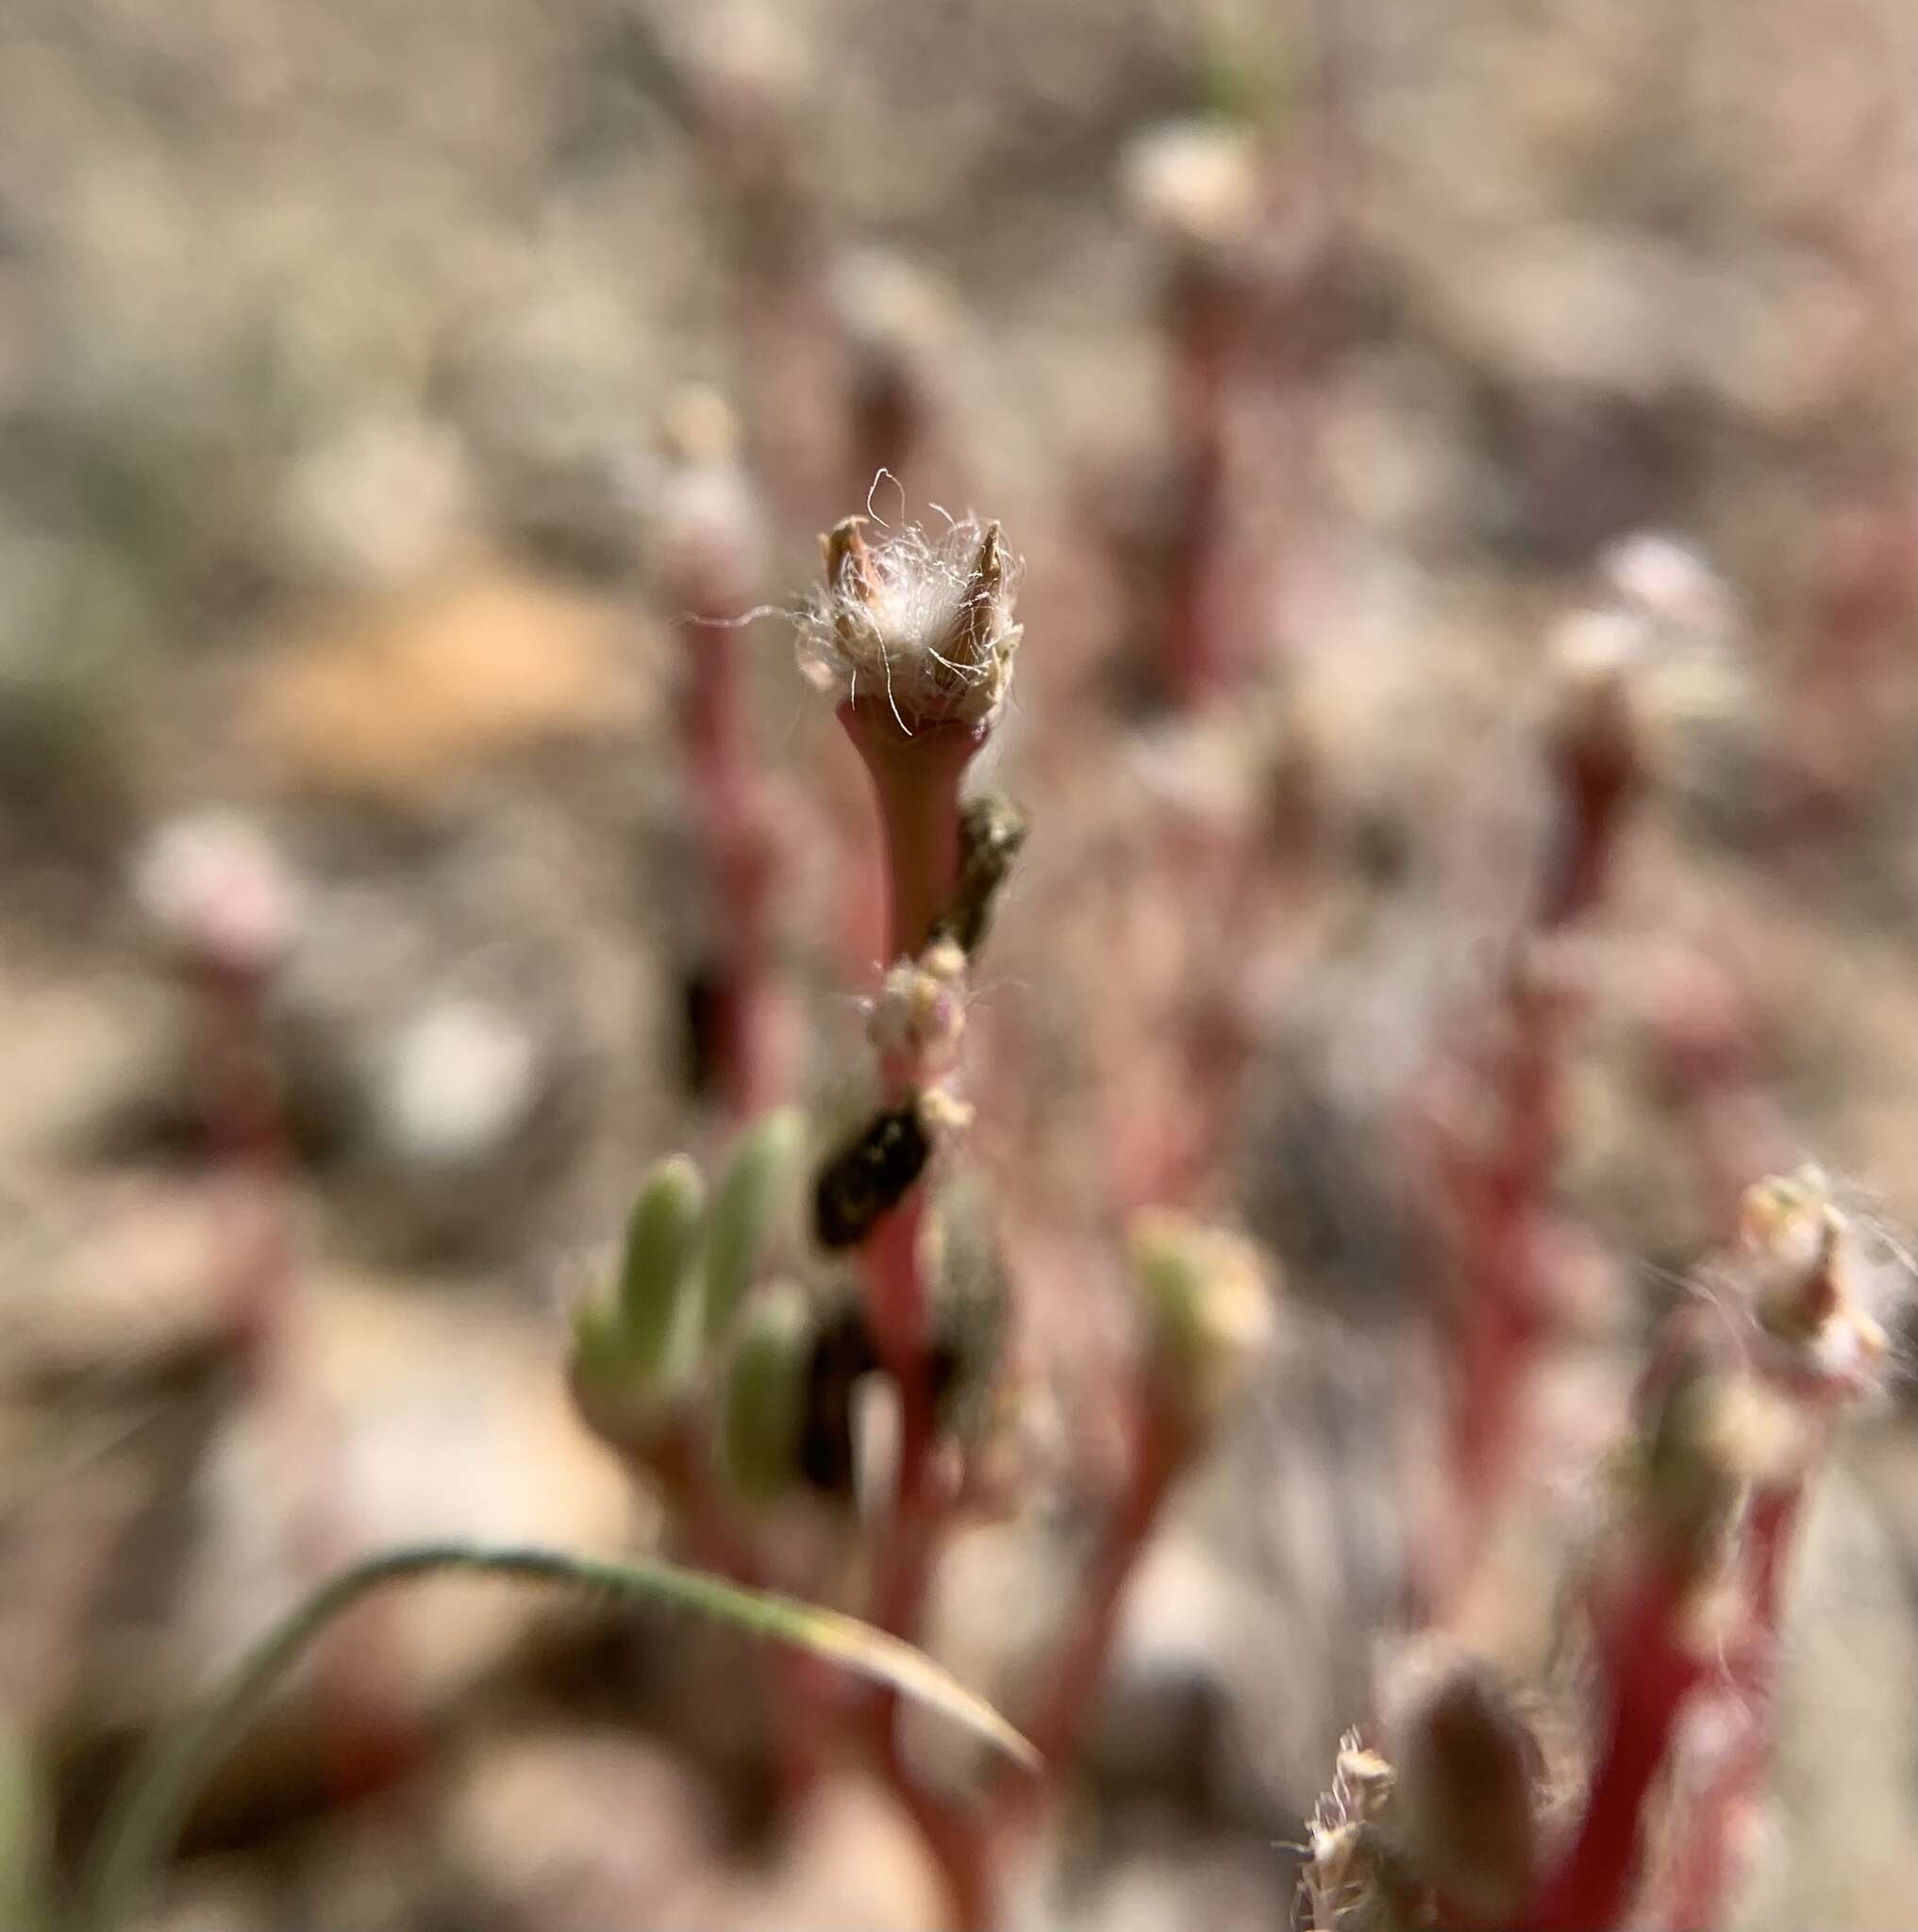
744	1056
1700	1885
915	780
1502	1315
1059	1729
368	1735
1648	1672
250	1149
1189	663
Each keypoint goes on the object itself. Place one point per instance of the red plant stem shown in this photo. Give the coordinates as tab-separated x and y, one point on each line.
1707	1857
743	1047
1595	775
1595	772
1503	1313
1159	1452
897	1296
250	1149
718	1542
915	783
952	1832
1191	654
915	780
1648	1672
368	1737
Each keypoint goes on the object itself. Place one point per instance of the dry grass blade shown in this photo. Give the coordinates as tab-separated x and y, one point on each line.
161	1787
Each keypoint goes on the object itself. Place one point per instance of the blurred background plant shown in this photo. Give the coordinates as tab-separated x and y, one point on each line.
1463	460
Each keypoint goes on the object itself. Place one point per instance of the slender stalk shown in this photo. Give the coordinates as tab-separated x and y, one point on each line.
1708	1858
915	779
250	1149
1158	1441
366	1733
916	784
160	1787
746	1054
1190	664
1650	1671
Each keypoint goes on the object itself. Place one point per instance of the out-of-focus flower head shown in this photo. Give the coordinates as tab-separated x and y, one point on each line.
1195	183
1658	642
217	891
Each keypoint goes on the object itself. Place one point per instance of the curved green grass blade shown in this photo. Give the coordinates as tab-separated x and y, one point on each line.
161	1787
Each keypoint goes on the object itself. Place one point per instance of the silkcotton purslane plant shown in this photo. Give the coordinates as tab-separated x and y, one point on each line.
751	1424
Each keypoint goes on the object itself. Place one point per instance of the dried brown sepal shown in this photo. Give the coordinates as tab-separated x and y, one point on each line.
849	563
986	587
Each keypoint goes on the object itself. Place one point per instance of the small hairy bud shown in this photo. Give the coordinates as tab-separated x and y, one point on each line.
1207	1308
762	1409
919	1013
1344	1885
752	1198
870	1174
1798	1261
1467	1766
655	1269
919	628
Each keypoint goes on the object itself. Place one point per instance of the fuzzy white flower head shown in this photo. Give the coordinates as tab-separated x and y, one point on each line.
917	627
215	886
1661	642
1194	181
1670	585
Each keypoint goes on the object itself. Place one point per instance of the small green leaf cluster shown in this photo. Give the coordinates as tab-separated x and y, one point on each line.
689	1301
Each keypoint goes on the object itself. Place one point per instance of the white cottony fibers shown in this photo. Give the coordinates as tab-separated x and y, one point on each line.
922	626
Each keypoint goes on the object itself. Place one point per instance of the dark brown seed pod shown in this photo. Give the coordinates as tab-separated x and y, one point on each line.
992	830
869	1176
843	1354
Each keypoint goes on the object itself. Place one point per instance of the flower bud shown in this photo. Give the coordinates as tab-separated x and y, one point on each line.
919	1014
662	1241
1466	1768
1206	1307
762	1409
1799	1260
919	629
752	1199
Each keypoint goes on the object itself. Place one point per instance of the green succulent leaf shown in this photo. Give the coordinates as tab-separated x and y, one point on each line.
759	1184
663	1243
764	1403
